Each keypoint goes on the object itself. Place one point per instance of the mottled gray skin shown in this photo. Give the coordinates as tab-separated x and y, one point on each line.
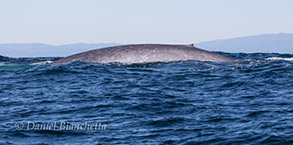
142	53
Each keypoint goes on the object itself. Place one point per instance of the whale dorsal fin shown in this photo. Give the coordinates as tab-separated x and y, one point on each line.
190	45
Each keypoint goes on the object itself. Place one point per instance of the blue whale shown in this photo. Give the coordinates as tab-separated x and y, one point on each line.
144	53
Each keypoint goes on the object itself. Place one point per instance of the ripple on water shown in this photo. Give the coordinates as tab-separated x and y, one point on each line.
188	102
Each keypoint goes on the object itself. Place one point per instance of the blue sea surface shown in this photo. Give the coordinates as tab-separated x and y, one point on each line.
186	102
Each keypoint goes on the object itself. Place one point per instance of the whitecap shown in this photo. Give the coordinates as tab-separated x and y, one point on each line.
43	63
280	58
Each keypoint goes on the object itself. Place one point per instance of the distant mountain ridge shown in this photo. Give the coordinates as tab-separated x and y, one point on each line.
266	43
45	50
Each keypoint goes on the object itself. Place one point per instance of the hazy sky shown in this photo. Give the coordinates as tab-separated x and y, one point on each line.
140	21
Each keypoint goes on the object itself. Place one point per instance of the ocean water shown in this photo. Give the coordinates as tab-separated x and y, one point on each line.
187	102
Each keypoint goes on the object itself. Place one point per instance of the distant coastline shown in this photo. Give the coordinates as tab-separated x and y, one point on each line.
265	43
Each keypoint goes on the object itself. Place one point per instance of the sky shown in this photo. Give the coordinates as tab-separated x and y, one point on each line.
140	21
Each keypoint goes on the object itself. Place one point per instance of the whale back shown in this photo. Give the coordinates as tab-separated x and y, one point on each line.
142	53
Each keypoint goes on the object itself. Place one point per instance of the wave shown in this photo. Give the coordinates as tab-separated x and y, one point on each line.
183	102
280	58
43	62
13	67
